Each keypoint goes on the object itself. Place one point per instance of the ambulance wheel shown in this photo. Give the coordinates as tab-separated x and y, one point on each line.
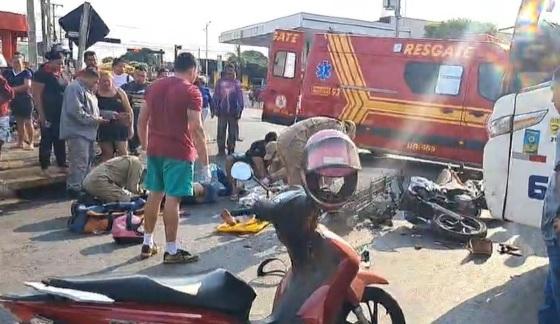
460	231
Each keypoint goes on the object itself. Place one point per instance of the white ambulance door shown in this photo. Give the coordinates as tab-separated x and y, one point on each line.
532	155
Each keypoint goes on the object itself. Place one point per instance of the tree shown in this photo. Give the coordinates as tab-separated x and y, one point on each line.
458	29
253	63
143	55
107	59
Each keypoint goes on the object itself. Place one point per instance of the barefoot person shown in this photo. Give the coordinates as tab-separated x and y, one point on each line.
19	79
170	128
6	94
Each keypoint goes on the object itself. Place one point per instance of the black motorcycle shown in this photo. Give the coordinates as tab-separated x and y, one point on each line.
450	209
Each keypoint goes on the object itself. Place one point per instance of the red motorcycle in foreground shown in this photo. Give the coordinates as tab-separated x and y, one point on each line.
324	284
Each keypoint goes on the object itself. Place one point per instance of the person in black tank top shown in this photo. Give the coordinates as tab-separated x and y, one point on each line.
113	137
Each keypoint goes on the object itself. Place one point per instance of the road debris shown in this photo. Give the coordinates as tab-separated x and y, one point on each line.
480	247
505	248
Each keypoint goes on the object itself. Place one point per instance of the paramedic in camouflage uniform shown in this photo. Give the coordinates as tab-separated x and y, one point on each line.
116	180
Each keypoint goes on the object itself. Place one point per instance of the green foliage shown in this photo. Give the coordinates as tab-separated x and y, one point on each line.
107	59
253	63
458	29
144	55
136	64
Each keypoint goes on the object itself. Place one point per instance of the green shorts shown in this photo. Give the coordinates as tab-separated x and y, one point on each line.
170	176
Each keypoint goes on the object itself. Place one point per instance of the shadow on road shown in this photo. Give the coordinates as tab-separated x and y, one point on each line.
104	248
528	239
58	235
46	225
517	301
115	267
241	255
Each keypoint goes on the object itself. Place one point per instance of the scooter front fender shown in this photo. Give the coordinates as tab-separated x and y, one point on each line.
363	279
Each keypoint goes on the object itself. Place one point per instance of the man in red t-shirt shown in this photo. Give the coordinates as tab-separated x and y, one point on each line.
170	128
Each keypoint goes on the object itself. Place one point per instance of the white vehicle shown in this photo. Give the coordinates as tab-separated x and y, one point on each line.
520	153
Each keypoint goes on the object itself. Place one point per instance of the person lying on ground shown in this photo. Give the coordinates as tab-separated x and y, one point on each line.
254	157
291	142
208	192
116	180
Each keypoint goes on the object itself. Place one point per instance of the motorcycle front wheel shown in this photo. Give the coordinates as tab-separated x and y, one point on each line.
459	230
378	307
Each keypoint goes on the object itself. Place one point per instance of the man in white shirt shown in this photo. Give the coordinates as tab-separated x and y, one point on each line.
120	77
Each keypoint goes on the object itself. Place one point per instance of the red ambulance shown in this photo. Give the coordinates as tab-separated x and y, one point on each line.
417	97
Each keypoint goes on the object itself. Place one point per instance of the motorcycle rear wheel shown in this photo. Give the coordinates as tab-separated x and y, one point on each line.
371	299
461	231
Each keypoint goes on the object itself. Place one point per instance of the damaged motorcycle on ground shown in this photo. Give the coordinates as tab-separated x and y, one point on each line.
450	207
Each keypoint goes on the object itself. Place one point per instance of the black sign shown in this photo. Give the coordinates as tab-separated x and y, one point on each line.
97	27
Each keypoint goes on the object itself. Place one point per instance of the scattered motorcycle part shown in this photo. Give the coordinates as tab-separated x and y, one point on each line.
262	273
378	202
482	247
509	249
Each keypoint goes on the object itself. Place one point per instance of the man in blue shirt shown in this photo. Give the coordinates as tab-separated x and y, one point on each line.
201	83
550	226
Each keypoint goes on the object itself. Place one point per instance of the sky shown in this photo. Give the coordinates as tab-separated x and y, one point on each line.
166	22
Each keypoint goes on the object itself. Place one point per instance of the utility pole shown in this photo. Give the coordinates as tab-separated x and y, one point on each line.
84	31
176	50
206	30
239	61
397	18
45	22
53	14
31	33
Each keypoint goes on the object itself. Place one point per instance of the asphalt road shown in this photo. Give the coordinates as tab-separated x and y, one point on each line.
434	281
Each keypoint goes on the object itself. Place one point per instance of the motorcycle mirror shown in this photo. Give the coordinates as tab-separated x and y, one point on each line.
241	171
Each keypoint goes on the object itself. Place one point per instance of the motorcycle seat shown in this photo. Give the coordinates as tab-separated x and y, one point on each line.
217	290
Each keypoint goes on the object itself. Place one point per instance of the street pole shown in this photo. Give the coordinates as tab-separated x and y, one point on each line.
45	25
397	18
239	63
84	31
31	33
53	13
49	20
206	30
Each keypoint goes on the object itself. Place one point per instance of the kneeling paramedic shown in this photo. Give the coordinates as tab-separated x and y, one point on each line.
116	180
292	141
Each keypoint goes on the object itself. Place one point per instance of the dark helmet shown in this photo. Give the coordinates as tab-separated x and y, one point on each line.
331	165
